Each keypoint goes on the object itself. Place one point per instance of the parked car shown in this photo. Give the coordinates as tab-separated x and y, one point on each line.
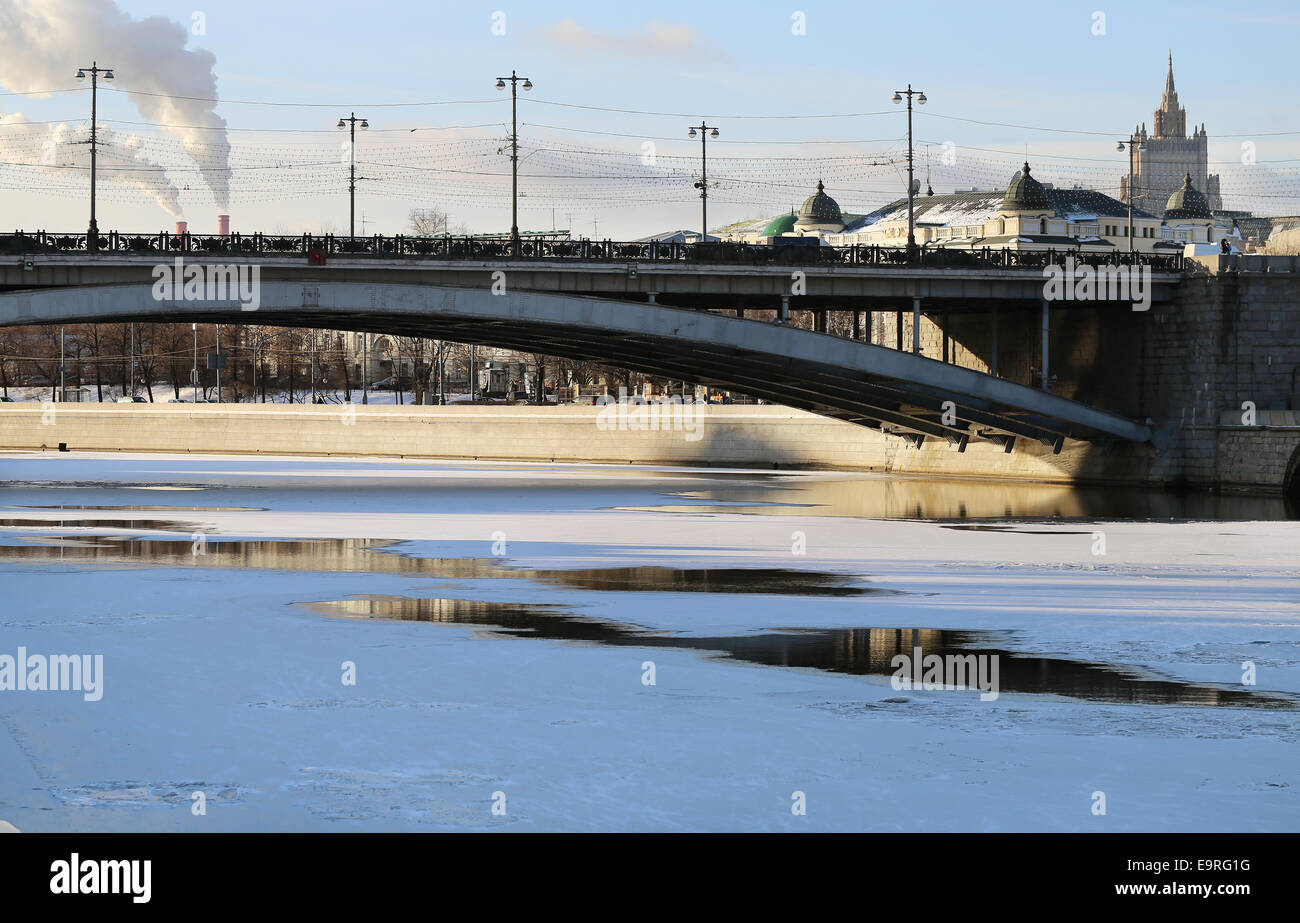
6	400
135	399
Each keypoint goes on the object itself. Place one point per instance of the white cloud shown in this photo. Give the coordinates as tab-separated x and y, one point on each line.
656	40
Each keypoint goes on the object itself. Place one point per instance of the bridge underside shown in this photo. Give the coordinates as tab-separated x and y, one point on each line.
861	383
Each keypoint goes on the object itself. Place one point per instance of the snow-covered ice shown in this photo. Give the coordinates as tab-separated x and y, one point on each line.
220	677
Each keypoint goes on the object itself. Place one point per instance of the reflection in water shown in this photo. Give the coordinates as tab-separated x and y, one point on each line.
879	496
856	651
138	508
773	580
147	525
353	555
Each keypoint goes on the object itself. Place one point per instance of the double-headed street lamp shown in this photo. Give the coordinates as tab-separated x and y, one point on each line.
703	185
351	122
515	81
92	233
1133	145
911	185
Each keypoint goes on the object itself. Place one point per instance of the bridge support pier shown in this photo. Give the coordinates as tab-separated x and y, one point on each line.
783	316
857	325
1046	345
993	345
898	317
916	326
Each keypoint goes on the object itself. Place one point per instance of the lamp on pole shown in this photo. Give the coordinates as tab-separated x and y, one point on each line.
365	367
442	392
703	185
351	123
911	185
92	233
218	363
1133	144
515	81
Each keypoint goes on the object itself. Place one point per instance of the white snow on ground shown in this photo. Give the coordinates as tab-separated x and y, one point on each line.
216	681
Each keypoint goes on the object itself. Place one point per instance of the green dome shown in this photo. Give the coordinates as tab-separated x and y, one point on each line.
1025	193
783	224
820	209
1187	202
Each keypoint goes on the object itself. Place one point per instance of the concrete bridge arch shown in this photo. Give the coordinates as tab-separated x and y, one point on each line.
862	383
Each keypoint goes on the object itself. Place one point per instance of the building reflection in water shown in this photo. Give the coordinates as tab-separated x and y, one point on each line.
875	496
373	556
855	651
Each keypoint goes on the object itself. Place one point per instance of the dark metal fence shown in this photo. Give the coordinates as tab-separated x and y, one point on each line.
496	248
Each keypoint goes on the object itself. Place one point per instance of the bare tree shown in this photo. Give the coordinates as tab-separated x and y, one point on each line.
428	222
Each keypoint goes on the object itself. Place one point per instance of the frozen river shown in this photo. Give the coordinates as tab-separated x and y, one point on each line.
325	644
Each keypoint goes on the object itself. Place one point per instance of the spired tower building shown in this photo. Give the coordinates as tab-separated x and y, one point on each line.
1167	155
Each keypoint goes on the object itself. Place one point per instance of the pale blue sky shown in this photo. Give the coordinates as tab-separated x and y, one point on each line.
1030	64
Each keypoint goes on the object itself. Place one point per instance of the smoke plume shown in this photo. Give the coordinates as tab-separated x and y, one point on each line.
44	42
55	151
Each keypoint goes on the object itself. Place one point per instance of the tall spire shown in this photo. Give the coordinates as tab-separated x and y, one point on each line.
1171	118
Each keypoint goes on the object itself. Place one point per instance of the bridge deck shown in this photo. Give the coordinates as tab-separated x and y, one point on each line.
847	379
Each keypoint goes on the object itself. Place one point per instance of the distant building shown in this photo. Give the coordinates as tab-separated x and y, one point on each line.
1162	158
1029	215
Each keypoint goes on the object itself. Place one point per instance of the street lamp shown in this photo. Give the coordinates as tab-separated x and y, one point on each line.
1132	144
703	185
515	81
911	188
351	123
92	234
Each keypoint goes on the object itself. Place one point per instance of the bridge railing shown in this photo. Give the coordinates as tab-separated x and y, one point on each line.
494	248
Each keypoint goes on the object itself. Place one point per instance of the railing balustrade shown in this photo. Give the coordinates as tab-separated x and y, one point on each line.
497	248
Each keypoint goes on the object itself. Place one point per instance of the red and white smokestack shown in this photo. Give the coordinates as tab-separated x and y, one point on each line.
181	227
223	225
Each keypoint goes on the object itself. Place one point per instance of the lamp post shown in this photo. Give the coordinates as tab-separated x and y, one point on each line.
442	392
1132	144
351	123
911	189
92	233
703	185
515	81
218	363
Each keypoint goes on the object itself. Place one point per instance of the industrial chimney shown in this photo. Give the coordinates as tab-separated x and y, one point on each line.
181	227
223	225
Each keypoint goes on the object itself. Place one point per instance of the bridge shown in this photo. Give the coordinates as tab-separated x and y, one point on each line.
656	308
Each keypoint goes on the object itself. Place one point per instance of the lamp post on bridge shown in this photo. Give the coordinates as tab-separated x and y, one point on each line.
703	185
1132	144
515	81
92	233
351	123
911	183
